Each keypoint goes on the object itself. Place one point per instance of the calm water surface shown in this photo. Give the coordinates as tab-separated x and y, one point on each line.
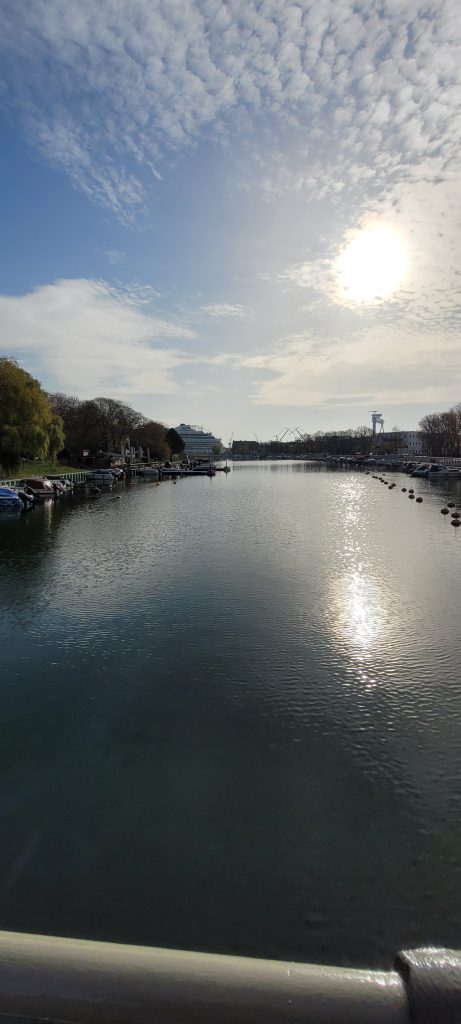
230	714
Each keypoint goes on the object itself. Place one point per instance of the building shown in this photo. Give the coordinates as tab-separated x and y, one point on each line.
197	442
405	442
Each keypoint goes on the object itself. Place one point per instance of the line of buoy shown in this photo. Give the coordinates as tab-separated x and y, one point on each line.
445	511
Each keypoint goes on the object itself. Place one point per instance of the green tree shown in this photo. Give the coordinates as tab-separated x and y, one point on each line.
25	416
56	437
151	435
175	441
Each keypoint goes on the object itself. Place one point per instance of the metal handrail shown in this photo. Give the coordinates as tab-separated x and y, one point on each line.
80	982
74	981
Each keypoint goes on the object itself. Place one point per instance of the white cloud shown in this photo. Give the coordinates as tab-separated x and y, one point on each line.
370	88
307	372
224	309
424	217
350	112
114	256
87	338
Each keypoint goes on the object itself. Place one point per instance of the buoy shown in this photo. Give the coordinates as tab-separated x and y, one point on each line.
455	522
404	490
456	515
419	500
450	504
411	495
444	511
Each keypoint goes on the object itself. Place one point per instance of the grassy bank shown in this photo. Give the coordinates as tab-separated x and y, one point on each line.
38	469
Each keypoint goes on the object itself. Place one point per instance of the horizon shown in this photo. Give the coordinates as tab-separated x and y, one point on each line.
241	217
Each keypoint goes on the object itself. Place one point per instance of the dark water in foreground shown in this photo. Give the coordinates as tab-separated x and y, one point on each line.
230	716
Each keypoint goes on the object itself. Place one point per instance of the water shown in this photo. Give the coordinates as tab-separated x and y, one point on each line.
230	714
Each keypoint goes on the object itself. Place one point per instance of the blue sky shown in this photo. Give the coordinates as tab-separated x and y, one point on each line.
238	214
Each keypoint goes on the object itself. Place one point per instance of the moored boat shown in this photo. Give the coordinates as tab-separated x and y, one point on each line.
41	486
10	500
101	476
437	470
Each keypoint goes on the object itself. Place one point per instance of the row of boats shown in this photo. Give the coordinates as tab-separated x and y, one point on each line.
168	471
428	470
32	490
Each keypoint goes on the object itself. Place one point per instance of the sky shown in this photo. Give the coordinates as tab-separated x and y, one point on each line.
242	214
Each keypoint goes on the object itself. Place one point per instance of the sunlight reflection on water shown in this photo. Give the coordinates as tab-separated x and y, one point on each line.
231	712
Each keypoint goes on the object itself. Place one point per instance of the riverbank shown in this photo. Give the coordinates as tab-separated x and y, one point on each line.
39	469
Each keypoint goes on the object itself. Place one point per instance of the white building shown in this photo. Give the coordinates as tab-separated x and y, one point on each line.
197	442
408	442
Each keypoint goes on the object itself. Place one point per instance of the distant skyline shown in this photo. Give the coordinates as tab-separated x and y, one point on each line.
239	215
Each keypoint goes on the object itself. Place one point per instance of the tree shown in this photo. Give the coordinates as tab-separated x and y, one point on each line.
97	424
151	435
175	441
56	437
25	416
364	440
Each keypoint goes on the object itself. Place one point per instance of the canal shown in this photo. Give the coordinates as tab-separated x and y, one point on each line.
230	713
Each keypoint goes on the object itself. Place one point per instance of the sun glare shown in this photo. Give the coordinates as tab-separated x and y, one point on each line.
372	267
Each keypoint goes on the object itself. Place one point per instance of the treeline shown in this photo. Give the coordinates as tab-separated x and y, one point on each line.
37	425
358	441
442	432
106	425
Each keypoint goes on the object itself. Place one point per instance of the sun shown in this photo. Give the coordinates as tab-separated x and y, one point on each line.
372	267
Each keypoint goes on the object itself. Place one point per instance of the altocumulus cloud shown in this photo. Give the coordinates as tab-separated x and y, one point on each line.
351	106
374	87
87	337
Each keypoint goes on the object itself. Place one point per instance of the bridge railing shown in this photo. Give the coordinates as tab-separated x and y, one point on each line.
81	982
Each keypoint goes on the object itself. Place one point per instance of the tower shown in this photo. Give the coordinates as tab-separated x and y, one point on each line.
377	419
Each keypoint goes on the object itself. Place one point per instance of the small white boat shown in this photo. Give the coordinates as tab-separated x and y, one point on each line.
148	472
436	470
101	476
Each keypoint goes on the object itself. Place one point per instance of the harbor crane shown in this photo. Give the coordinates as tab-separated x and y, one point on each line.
377	419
